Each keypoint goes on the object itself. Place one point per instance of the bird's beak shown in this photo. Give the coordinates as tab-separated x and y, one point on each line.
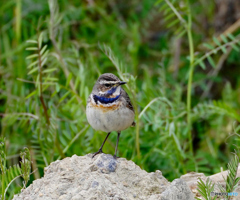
122	83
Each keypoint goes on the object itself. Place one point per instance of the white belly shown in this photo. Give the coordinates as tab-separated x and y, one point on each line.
112	120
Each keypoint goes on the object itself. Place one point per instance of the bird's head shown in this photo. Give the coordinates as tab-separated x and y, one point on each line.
108	85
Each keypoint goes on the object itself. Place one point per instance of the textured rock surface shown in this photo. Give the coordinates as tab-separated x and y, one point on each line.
103	177
192	181
192	178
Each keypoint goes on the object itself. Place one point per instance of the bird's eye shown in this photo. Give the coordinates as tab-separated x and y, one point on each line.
107	85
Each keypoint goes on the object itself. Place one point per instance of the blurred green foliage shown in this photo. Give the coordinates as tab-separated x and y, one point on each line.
51	54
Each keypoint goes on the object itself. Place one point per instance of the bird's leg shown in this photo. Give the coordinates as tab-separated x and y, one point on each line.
100	149
115	154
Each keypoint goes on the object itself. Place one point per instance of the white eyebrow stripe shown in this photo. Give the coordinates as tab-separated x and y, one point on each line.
108	82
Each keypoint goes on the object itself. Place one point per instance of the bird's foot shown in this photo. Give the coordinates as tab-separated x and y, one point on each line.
115	157
99	151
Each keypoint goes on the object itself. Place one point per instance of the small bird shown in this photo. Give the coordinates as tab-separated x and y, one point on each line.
109	107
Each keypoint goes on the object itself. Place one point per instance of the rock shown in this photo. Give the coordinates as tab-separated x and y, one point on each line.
219	177
192	181
177	190
102	177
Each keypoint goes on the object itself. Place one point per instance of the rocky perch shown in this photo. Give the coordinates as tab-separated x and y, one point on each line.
103	177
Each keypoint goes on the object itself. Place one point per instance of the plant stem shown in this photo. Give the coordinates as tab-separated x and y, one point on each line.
175	11
189	88
40	85
53	26
137	138
3	189
18	12
3	165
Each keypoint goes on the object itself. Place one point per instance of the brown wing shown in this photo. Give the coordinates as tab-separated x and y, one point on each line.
127	99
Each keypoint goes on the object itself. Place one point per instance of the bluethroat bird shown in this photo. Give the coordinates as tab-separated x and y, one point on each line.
109	107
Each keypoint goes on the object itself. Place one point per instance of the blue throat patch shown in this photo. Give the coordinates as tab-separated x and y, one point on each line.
104	100
111	91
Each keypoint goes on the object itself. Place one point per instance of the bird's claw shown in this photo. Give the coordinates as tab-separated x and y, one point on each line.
99	151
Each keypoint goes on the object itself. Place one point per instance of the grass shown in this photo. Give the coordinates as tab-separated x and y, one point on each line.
44	90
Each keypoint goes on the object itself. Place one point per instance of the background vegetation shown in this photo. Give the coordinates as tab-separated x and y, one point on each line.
181	61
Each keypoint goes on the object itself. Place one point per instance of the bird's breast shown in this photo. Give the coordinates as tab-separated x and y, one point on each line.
105	107
109	117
